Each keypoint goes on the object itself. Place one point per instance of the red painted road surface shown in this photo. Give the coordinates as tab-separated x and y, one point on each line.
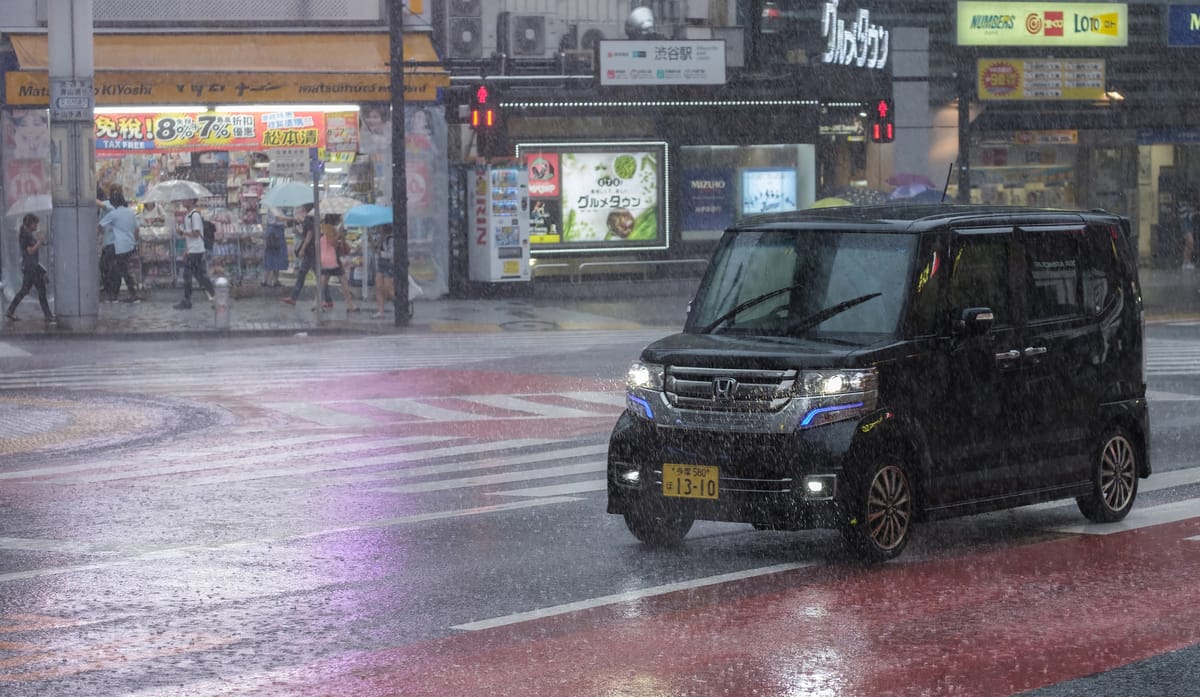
995	623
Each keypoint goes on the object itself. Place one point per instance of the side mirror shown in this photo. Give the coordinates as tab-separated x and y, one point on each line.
973	321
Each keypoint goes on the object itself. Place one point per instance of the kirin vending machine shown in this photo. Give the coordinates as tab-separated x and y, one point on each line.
498	249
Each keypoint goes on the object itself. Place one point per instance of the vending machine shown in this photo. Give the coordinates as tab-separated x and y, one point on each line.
498	248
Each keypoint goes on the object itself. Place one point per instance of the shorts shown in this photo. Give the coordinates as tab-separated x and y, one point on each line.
335	271
384	267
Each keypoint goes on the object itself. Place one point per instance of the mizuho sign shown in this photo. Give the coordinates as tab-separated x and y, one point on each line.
860	43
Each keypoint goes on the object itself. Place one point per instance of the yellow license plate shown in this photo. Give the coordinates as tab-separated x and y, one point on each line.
691	481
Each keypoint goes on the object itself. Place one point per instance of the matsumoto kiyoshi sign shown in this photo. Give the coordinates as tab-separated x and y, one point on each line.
1042	24
859	42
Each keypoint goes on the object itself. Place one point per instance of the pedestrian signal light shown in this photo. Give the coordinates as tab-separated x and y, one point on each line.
883	122
483	114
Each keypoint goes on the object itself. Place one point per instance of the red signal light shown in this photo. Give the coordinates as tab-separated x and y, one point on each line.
883	126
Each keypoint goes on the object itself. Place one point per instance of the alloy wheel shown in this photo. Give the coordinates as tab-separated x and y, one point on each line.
1117	473
889	507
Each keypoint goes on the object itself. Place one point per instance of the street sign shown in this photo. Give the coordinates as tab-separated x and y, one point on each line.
72	99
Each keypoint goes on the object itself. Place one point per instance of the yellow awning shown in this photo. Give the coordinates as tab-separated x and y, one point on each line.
235	68
274	53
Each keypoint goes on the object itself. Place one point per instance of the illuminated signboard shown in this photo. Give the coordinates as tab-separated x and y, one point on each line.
596	196
768	191
1042	24
180	132
1040	78
1183	25
855	42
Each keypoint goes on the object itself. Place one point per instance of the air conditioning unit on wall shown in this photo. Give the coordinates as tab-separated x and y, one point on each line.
527	36
588	35
464	29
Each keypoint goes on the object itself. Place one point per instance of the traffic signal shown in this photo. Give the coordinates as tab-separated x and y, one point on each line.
882	121
485	120
483	111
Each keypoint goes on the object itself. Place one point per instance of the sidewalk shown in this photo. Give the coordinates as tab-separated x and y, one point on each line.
545	306
1168	294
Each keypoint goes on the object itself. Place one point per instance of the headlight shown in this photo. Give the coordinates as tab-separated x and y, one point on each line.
644	376
836	395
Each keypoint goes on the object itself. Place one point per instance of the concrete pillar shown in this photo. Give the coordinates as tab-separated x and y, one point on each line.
910	96
75	273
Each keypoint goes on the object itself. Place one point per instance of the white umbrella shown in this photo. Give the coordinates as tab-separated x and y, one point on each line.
31	204
176	190
338	205
289	194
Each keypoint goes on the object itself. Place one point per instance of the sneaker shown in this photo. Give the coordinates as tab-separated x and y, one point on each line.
210	296
1189	266
52	319
287	301
11	317
134	299
185	305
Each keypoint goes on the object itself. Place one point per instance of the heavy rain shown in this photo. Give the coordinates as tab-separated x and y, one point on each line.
599	348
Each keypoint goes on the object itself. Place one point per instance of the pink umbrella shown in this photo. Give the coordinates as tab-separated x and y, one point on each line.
909	179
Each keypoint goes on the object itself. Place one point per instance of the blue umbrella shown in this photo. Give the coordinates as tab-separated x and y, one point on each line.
368	215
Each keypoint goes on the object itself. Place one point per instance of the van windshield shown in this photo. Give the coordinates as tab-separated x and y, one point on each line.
806	284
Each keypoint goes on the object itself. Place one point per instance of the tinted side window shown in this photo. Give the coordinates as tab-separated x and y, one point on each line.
1101	268
922	315
1052	273
979	275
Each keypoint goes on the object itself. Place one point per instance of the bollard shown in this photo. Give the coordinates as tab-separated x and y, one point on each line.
221	303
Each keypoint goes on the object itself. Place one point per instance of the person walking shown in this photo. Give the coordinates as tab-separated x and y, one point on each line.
384	270
31	269
193	265
332	246
275	257
306	252
121	225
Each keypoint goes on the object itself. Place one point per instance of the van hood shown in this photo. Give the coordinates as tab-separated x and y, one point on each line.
759	352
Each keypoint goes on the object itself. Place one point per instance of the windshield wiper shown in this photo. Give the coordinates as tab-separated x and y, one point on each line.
749	303
821	315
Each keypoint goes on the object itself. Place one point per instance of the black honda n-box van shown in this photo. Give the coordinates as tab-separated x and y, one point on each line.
866	368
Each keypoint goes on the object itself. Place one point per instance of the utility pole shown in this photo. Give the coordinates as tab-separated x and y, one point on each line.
396	12
72	234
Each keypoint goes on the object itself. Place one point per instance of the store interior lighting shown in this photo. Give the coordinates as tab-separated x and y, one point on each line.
149	109
242	108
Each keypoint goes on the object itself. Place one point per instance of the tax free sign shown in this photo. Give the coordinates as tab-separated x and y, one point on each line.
1057	24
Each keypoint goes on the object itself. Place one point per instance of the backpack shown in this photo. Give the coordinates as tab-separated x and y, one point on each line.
210	234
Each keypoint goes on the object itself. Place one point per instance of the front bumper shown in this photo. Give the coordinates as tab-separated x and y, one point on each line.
764	478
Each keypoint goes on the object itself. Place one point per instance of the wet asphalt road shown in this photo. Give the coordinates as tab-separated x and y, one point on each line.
393	515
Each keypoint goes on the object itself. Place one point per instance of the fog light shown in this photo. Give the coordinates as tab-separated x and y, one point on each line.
632	477
820	486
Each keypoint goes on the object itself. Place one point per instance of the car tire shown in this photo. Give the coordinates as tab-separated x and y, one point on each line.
879	512
1114	479
658	529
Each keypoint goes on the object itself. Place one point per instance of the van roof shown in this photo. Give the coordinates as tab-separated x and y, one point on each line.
917	218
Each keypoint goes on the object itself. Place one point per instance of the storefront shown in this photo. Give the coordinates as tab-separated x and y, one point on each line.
701	158
239	114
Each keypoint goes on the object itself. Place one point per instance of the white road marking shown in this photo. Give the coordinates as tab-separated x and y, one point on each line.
556	489
1138	518
10	351
628	596
488	479
1156	396
184	550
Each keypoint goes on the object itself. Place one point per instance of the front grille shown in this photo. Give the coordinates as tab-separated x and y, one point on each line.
724	389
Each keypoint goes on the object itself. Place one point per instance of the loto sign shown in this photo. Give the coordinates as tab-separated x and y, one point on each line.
860	43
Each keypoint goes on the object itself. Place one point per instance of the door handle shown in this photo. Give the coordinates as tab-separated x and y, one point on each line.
1034	351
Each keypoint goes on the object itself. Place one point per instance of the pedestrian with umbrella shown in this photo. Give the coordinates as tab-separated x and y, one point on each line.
306	252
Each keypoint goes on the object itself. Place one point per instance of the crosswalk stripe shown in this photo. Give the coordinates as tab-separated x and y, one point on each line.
398	459
504	478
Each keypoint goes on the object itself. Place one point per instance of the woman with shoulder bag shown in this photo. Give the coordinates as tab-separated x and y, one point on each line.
333	242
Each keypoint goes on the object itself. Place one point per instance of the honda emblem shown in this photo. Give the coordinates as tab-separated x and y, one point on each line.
724	389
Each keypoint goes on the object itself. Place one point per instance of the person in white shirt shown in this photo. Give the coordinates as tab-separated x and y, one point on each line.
121	225
193	265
